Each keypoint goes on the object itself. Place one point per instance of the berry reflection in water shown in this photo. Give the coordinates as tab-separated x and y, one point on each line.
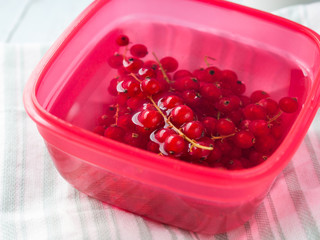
201	115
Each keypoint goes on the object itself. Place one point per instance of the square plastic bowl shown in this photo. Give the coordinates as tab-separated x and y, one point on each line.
67	92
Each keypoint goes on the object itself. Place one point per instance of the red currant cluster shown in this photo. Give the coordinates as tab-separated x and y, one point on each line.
200	116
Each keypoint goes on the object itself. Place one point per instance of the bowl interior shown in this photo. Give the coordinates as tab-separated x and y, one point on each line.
266	53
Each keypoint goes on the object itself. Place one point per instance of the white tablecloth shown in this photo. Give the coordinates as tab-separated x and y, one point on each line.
36	203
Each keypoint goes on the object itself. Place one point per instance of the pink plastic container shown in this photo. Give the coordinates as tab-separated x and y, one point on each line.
67	92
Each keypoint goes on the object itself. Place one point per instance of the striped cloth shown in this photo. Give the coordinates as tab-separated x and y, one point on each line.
36	203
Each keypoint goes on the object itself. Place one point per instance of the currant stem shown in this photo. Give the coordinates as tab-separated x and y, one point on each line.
275	117
117	114
206	60
222	137
161	68
177	130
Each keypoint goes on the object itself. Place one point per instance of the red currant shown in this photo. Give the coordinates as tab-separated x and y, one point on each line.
191	97
244	139
254	111
132	65
171	101
265	144
186	83
270	105
225	126
162	134
115	61
182	73
150	119
150	86
174	145
193	129
114	132
288	104
257	95
122	40
181	114
131	87
210	91
209	124
169	64
138	50
259	127
200	153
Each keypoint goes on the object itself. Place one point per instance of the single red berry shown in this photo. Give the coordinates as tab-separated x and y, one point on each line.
171	101
244	125
209	124
146	72
99	130
210	91
234	164
245	100
130	86
150	86
259	127
132	65
122	72
244	139
256	158
182	73
289	104
277	131
134	139
201	74
215	154
106	120
114	132
174	145
270	105
238	87
185	83
122	40
138	50
225	145
162	134
236	116
150	119
228	78
165	86
122	98
134	103
225	126
181	114
191	97
254	111
153	147
201	154
115	61
151	64
148	106
257	95
214	74
265	144
228	104
169	64
193	129
112	88
125	122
